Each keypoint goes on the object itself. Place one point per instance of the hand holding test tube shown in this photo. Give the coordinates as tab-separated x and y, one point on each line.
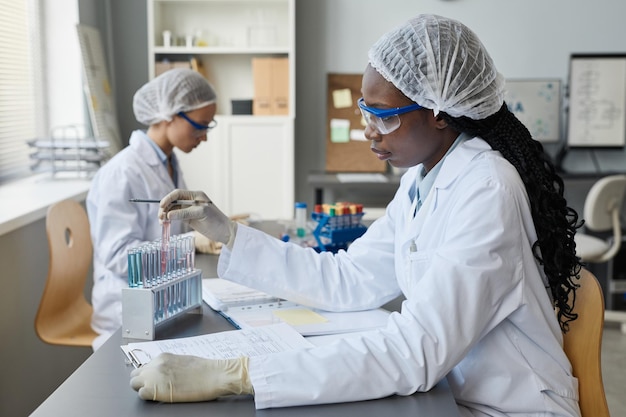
202	215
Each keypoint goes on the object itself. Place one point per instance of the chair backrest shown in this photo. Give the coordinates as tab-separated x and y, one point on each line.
582	345
64	314
604	202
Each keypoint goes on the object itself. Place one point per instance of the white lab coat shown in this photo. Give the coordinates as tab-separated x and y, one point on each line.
117	224
477	310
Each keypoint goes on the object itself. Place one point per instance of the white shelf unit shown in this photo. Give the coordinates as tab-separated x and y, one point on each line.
247	165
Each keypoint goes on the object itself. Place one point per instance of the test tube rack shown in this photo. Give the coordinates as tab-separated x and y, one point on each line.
333	233
163	283
146	309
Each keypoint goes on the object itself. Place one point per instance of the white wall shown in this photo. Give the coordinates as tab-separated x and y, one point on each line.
531	38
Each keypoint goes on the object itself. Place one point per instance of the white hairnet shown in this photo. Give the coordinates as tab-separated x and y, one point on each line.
173	91
442	65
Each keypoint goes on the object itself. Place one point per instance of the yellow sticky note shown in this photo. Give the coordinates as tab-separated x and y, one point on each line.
299	316
342	98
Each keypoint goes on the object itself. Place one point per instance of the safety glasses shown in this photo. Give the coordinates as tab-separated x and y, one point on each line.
384	121
199	127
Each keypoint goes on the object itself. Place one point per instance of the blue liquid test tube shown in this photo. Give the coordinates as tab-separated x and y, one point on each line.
131	267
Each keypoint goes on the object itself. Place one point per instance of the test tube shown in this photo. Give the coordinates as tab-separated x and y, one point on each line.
192	253
144	266
332	220
131	267
165	247
152	267
181	268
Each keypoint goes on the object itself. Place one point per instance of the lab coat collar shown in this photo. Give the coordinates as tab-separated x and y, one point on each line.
139	142
457	161
452	167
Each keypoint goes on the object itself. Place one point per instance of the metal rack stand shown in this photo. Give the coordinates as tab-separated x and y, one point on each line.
68	150
145	309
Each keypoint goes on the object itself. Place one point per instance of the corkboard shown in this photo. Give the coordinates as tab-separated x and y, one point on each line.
345	153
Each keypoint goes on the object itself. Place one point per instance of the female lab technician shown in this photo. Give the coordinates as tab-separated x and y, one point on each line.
178	106
478	238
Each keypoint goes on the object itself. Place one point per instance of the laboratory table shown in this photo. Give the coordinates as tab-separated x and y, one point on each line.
100	386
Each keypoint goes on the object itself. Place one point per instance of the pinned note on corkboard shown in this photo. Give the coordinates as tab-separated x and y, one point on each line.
347	150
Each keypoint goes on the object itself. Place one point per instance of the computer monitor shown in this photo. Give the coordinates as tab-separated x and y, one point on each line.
597	101
537	104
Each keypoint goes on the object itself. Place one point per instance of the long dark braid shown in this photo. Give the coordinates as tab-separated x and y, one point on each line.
555	222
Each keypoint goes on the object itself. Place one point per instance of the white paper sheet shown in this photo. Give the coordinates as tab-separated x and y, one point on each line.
251	342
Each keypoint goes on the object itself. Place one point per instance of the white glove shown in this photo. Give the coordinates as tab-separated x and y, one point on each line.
184	378
205	245
203	216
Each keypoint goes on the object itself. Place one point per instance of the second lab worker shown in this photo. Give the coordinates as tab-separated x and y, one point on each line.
178	107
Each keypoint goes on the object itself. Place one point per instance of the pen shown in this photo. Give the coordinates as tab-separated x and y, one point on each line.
133	359
180	202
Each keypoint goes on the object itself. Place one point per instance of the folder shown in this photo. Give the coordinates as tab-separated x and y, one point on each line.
262	77
247	308
280	86
271	86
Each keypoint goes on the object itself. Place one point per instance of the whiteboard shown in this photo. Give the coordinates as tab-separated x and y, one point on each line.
597	116
537	104
98	88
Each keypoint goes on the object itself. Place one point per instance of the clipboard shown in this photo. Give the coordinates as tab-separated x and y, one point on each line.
347	150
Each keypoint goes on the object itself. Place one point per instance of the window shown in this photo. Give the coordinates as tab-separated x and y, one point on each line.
21	101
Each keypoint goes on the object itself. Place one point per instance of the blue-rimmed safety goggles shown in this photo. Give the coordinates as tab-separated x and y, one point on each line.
384	121
199	127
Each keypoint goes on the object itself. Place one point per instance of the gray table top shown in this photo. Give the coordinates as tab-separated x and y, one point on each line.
100	386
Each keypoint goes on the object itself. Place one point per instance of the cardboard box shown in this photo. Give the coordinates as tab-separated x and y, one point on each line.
262	78
271	86
161	66
280	86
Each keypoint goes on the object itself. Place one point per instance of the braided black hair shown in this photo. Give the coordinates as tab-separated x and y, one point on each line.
555	222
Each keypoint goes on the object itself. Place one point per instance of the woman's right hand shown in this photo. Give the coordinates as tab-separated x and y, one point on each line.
200	212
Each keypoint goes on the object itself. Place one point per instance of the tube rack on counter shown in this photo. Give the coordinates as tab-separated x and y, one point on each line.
163	283
337	226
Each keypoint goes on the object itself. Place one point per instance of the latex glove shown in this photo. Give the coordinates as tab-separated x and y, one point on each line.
205	245
184	378
204	216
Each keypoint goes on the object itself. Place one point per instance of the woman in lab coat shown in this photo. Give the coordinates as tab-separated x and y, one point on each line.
478	238
178	106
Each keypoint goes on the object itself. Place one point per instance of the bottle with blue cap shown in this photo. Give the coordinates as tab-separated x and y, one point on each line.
300	219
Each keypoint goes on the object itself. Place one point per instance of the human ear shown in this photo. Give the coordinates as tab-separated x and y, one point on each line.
439	122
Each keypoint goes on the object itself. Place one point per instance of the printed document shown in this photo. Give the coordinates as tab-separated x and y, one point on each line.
251	342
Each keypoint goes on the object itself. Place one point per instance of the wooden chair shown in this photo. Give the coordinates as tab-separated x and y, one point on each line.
582	345
64	314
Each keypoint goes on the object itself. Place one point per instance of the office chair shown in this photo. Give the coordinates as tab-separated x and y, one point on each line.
582	345
64	315
602	209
